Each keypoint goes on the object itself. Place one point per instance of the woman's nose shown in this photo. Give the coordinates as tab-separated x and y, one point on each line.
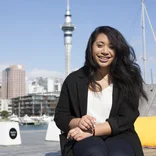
105	50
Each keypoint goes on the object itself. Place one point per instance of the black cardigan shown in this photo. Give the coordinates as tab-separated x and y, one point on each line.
73	104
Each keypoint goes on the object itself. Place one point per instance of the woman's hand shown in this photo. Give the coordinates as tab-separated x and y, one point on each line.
78	134
87	123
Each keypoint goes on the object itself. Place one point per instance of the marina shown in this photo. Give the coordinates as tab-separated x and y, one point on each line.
33	120
33	144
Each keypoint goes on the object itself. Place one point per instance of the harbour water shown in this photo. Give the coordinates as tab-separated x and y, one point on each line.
33	143
33	127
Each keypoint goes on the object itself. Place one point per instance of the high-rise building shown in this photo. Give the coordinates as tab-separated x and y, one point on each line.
13	82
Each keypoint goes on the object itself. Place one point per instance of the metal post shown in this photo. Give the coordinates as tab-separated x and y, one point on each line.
144	39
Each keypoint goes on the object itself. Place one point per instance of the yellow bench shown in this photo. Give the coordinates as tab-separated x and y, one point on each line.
146	129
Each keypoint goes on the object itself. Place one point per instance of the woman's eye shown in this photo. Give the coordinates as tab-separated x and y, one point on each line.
99	45
112	47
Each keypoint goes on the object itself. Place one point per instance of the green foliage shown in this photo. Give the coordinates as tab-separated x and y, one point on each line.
4	114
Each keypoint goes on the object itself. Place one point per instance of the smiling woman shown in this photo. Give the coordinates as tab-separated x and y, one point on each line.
98	104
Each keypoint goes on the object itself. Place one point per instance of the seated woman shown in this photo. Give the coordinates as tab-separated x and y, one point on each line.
98	104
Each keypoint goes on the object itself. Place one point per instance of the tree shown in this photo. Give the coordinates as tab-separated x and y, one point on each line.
4	114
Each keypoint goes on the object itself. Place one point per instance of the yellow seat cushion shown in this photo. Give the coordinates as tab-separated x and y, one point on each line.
146	130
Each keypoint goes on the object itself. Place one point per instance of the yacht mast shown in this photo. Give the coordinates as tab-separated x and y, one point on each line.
144	39
149	21
144	12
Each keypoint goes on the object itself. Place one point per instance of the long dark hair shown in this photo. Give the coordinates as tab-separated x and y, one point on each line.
125	72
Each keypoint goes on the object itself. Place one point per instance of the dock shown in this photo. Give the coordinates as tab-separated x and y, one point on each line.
149	151
34	144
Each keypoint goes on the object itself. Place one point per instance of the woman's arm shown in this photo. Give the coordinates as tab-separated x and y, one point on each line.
114	125
86	122
102	129
62	112
74	123
122	121
125	118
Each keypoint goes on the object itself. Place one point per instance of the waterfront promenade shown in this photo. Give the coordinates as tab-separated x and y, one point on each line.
33	144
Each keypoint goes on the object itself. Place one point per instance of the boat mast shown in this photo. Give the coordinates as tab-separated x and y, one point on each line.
144	39
149	21
144	12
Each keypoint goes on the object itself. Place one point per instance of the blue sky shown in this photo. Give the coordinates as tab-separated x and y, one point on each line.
30	31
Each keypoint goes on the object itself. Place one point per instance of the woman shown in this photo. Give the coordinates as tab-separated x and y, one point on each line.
98	104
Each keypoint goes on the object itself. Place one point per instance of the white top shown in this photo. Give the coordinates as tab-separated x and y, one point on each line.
99	104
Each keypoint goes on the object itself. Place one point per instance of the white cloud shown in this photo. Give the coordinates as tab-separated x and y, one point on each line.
3	66
43	73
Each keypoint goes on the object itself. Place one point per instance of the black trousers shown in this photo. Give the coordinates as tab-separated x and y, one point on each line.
96	146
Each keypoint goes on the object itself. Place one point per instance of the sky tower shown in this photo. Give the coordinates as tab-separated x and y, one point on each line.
68	28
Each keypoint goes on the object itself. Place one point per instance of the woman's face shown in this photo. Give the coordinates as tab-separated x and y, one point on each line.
103	52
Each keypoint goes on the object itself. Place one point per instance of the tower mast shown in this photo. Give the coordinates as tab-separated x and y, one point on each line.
67	28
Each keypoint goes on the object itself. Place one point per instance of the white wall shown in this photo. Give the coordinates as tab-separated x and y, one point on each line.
5	104
50	85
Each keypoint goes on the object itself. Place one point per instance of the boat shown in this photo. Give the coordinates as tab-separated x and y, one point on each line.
46	119
14	118
26	120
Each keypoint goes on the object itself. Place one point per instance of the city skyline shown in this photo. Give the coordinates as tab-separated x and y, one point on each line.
15	84
33	38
